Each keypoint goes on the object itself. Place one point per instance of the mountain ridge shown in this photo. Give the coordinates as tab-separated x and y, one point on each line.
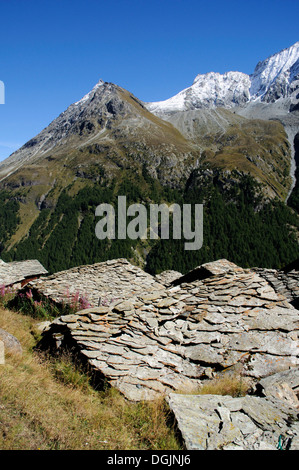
271	79
92	118
108	115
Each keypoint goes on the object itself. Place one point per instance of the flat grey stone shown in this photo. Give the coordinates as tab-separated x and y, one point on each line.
214	422
11	343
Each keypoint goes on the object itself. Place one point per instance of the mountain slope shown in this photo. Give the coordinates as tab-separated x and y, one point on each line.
98	138
109	116
229	141
271	93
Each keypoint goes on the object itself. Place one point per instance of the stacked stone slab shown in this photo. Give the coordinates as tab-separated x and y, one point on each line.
167	277
213	422
18	273
285	283
163	338
99	284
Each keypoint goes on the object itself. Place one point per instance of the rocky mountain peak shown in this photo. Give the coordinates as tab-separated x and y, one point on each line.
90	117
91	93
275	74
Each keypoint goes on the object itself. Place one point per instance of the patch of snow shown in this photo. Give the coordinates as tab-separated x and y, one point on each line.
90	94
211	90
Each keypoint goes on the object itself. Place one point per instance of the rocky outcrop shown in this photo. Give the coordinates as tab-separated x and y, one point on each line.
213	422
161	339
285	283
283	385
265	420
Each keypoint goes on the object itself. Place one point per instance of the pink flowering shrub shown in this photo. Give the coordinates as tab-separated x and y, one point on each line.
31	303
24	302
29	294
72	303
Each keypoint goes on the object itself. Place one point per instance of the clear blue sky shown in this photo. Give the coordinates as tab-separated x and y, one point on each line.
54	52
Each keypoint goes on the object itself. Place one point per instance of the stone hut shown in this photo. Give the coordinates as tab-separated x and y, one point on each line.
151	339
100	284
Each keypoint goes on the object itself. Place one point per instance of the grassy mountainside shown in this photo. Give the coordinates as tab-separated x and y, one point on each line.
229	141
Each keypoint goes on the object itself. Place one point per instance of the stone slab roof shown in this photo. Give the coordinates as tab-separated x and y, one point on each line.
168	277
206	270
164	338
285	283
100	283
18	271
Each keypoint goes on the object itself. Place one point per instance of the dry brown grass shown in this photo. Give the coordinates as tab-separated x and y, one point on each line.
50	404
233	385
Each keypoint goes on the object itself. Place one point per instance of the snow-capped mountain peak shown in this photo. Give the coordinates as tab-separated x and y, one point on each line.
208	91
218	88
271	80
278	69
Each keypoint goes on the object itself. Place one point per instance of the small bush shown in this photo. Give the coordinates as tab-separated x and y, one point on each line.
30	303
42	309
